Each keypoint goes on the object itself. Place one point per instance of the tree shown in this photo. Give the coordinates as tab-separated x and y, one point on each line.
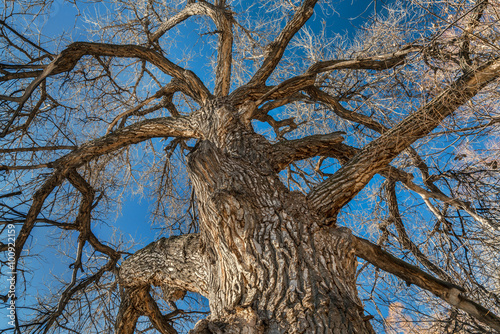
296	154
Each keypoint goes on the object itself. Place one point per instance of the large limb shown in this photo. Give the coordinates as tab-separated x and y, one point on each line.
175	264
331	195
135	303
286	152
69	57
136	133
450	293
305	81
330	145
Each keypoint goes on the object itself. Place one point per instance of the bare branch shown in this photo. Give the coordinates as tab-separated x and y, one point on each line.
136	302
376	63
2	22
331	195
450	293
35	149
69	57
138	132
223	21
286	152
158	127
404	239
167	90
278	46
342	112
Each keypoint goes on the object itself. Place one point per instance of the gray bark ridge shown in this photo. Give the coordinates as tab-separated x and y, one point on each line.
272	264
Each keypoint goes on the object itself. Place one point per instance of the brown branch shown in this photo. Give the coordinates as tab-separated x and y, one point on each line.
305	82
452	294
135	303
278	46
318	95
83	224
404	239
376	63
2	22
38	199
182	126
16	66
286	152
30	167
72	289
343	153
223	21
287	88
32	113
69	57
21	75
35	149
331	195
159	127
167	90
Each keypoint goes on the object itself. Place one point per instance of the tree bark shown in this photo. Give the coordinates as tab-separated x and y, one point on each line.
267	259
264	260
271	266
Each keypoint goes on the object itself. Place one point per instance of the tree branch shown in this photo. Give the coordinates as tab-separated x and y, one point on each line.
404	239
223	21
306	81
182	126
342	112
331	195
174	263
278	46
159	127
286	152
450	293
136	302
69	57
167	90
376	63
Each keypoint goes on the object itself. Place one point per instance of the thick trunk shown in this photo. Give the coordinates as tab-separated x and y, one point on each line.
272	266
265	261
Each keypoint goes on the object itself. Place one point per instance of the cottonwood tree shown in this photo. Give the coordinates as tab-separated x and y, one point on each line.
278	158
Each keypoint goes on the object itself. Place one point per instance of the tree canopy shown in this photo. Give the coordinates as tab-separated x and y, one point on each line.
389	131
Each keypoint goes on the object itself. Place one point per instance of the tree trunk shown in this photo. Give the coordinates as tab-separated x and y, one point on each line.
270	264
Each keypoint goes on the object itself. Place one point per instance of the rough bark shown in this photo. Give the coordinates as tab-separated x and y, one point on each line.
267	260
271	267
175	265
264	260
